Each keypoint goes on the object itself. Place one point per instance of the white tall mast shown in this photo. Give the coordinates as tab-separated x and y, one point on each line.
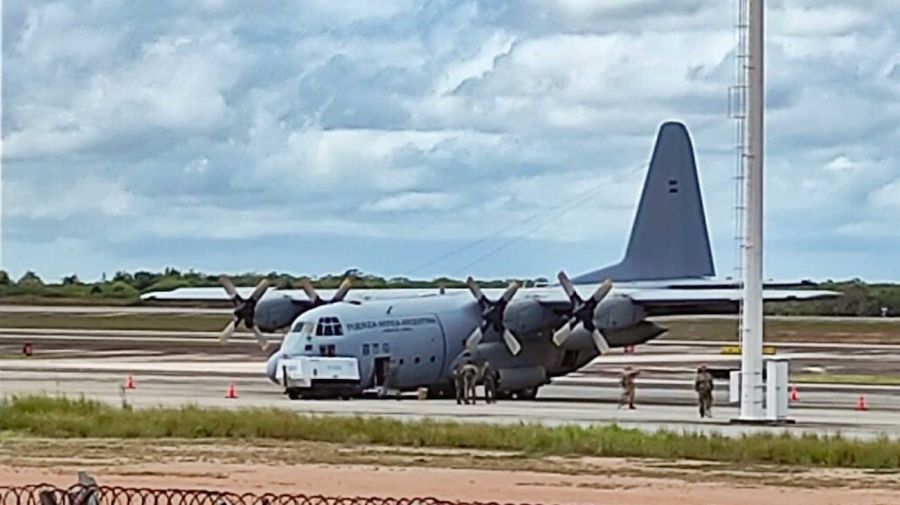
752	386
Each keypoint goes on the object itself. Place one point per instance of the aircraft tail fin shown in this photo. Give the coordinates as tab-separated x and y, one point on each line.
669	238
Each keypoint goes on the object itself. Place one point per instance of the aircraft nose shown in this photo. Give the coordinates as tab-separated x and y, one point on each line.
272	366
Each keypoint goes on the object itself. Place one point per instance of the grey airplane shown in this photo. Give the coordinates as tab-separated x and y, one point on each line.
530	335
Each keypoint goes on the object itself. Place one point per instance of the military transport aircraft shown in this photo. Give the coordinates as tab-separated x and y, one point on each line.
530	334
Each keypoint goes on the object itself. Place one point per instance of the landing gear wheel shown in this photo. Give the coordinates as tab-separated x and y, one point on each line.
527	393
294	395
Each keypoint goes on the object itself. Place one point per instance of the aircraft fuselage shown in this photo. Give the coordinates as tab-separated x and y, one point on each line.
424	337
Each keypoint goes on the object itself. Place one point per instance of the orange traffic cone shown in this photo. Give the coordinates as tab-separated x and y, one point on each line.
230	393
129	383
793	393
861	403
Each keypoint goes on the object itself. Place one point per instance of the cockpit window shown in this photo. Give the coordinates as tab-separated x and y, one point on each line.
329	327
303	327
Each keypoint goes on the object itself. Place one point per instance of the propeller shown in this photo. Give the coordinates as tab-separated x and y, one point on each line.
317	300
244	310
492	317
582	315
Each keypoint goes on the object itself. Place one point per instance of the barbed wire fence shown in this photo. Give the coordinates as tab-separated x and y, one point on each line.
46	494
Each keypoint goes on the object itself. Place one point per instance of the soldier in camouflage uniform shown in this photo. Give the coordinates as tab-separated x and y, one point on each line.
490	378
627	382
703	385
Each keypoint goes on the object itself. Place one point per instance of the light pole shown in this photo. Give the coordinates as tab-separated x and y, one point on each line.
752	386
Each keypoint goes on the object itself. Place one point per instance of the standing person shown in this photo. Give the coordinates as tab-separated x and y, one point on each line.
458	383
390	380
703	385
627	382
470	378
489	378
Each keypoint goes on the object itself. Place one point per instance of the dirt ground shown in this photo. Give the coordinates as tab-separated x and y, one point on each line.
335	470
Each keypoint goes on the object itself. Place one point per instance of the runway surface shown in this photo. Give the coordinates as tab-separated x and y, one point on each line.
179	368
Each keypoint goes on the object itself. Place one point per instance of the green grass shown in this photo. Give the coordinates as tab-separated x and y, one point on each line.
93	321
68	300
797	330
79	418
828	378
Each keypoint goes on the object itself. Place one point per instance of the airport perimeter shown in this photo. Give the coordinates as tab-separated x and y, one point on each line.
45	494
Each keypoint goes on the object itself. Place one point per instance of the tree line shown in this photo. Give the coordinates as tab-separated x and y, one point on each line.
126	285
859	298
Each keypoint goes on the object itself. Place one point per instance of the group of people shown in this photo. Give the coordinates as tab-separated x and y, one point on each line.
468	374
703	386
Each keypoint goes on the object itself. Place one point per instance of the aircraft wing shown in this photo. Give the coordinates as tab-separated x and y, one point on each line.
207	295
658	302
685	301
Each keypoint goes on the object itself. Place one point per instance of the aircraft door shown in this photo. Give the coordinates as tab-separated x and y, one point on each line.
421	350
380	369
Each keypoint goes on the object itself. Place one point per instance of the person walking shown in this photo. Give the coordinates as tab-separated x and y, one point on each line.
627	382
458	383
489	379
469	373
703	385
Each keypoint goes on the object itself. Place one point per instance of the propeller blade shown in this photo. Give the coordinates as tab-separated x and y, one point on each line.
602	291
475	289
229	286
475	338
310	291
600	342
260	338
562	334
578	326
510	291
567	285
228	331
511	343
260	290
342	290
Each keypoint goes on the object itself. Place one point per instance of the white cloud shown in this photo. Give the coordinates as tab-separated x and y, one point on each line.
60	200
415	201
819	20
887	199
431	124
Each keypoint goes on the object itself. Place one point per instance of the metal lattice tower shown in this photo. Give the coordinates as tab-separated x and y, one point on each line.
737	110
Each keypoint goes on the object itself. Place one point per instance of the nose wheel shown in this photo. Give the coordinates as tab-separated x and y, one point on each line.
527	393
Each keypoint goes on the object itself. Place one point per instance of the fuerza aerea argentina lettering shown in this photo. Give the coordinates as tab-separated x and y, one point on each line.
391	323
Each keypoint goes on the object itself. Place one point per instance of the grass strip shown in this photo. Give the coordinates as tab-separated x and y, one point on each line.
60	417
113	321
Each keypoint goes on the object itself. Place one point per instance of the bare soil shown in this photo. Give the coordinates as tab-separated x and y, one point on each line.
329	469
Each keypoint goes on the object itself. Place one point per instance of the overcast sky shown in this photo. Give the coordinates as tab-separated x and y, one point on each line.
383	135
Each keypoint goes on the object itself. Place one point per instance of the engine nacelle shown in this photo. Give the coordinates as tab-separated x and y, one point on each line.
514	379
618	312
526	317
273	314
634	335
